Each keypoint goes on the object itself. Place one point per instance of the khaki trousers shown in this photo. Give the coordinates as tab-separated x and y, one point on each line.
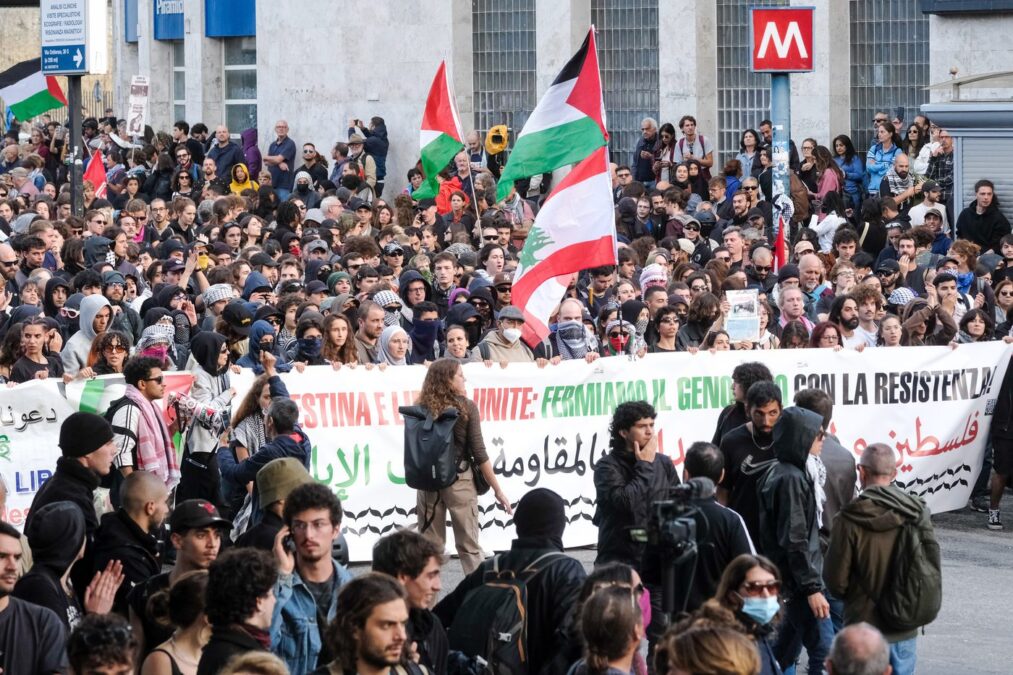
461	501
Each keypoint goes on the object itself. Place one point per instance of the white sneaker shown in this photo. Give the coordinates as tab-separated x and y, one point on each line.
994	523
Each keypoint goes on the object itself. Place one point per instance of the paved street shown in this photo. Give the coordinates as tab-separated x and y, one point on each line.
971	635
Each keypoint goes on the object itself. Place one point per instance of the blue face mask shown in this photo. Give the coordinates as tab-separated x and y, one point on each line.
310	346
761	610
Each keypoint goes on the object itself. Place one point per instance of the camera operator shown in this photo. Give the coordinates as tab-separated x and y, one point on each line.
721	533
628	481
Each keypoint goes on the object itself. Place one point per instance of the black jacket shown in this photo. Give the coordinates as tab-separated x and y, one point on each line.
72	482
119	538
986	229
263	533
551	595
626	487
1002	420
224	644
789	532
430	638
731	417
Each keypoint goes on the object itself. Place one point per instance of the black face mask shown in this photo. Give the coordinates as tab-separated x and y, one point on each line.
300	187
474	333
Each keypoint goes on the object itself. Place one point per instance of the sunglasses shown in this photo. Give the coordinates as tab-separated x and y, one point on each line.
157	380
115	349
479	303
669	320
274	321
8	263
69	313
395	254
491	237
1006	294
749	188
754	588
615	335
504	289
763	268
308	152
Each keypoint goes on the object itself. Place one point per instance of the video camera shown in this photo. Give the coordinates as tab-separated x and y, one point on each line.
671	536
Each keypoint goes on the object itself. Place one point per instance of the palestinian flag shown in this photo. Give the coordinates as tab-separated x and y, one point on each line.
567	125
441	136
27	92
574	230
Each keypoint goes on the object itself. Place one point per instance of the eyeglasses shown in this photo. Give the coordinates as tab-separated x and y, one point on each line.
755	588
185	177
698	288
353	267
179	296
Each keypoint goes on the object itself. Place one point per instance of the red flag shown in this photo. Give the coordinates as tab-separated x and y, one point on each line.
780	251
96	173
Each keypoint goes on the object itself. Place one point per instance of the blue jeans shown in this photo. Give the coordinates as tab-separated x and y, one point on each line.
836	613
903	655
799	627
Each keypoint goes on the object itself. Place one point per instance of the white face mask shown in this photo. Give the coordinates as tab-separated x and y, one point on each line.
512	334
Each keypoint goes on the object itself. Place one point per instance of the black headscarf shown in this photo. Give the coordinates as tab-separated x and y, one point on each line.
541	514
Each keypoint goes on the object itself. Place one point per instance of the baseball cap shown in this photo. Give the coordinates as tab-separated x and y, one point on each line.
355	203
316	286
426	204
175	266
113	277
936	212
930	185
392	248
238	317
196	513
261	259
891	266
316	215
317	245
503	279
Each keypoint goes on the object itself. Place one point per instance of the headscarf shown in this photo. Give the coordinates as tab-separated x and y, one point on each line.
385	337
630	311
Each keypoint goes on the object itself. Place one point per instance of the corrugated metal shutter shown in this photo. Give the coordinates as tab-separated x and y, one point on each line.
986	158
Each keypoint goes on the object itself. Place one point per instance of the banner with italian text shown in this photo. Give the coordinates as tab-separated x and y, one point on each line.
549	427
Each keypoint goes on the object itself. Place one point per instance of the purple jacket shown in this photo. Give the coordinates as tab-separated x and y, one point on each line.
254	161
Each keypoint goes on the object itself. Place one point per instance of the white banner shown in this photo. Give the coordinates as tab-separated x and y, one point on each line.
549	427
137	106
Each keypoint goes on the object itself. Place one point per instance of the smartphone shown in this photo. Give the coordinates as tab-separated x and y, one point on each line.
289	543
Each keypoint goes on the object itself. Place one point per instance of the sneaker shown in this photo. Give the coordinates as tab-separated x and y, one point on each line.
993	520
979	504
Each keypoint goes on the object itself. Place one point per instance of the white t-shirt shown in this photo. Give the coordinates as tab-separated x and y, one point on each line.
698	148
917	214
862	336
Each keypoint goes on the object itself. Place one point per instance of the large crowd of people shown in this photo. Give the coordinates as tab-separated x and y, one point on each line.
210	254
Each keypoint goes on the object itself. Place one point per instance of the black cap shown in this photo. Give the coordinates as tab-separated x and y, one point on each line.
891	266
316	286
238	317
265	311
196	513
354	204
426	204
262	259
789	271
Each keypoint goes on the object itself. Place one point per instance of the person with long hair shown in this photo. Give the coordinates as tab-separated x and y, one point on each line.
748	588
829	177
852	167
807	172
36	362
913	142
826	335
749	143
339	346
109	352
794	336
708	649
613	628
890	331
182	185
975	326
444	388
881	155
704	313
180	607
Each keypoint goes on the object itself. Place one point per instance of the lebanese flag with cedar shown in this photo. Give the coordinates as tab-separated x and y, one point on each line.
96	173
574	230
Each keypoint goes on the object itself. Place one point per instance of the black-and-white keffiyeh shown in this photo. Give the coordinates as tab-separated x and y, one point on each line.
571	338
898	184
817	472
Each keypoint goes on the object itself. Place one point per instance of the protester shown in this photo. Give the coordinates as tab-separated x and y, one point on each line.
182	608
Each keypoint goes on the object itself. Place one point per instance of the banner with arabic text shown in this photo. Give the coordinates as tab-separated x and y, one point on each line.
549	427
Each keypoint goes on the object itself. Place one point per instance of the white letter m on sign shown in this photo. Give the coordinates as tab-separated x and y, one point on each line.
782	46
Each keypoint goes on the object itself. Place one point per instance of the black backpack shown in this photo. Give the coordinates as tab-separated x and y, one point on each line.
430	461
492	622
914	593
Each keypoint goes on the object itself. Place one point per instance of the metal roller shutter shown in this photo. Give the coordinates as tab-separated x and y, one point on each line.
986	158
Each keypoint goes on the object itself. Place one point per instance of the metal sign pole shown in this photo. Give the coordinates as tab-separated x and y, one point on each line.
74	156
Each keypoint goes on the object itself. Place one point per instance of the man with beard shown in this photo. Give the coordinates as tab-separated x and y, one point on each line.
571	340
869	301
308	578
760	271
370	327
748	453
368	633
128	534
32	638
8	270
899	183
197	530
844	313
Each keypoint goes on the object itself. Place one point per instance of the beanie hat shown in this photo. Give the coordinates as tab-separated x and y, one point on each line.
787	272
335	277
216	293
279	477
653	274
55	532
83	433
540	513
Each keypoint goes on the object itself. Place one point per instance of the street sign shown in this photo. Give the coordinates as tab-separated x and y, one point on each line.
782	39
73	36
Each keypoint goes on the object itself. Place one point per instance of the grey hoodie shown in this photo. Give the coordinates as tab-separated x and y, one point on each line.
75	352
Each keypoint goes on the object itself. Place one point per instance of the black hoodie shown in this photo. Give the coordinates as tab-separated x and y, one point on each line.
789	530
120	538
205	348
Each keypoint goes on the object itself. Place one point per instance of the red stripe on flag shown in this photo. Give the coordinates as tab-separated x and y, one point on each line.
594	165
586	95
54	89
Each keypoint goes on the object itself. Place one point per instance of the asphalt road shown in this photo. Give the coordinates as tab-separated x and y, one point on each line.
972	634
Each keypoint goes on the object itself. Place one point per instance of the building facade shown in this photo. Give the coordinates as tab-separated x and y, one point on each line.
317	64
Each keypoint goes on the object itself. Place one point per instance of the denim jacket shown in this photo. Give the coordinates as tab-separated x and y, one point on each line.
295	635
